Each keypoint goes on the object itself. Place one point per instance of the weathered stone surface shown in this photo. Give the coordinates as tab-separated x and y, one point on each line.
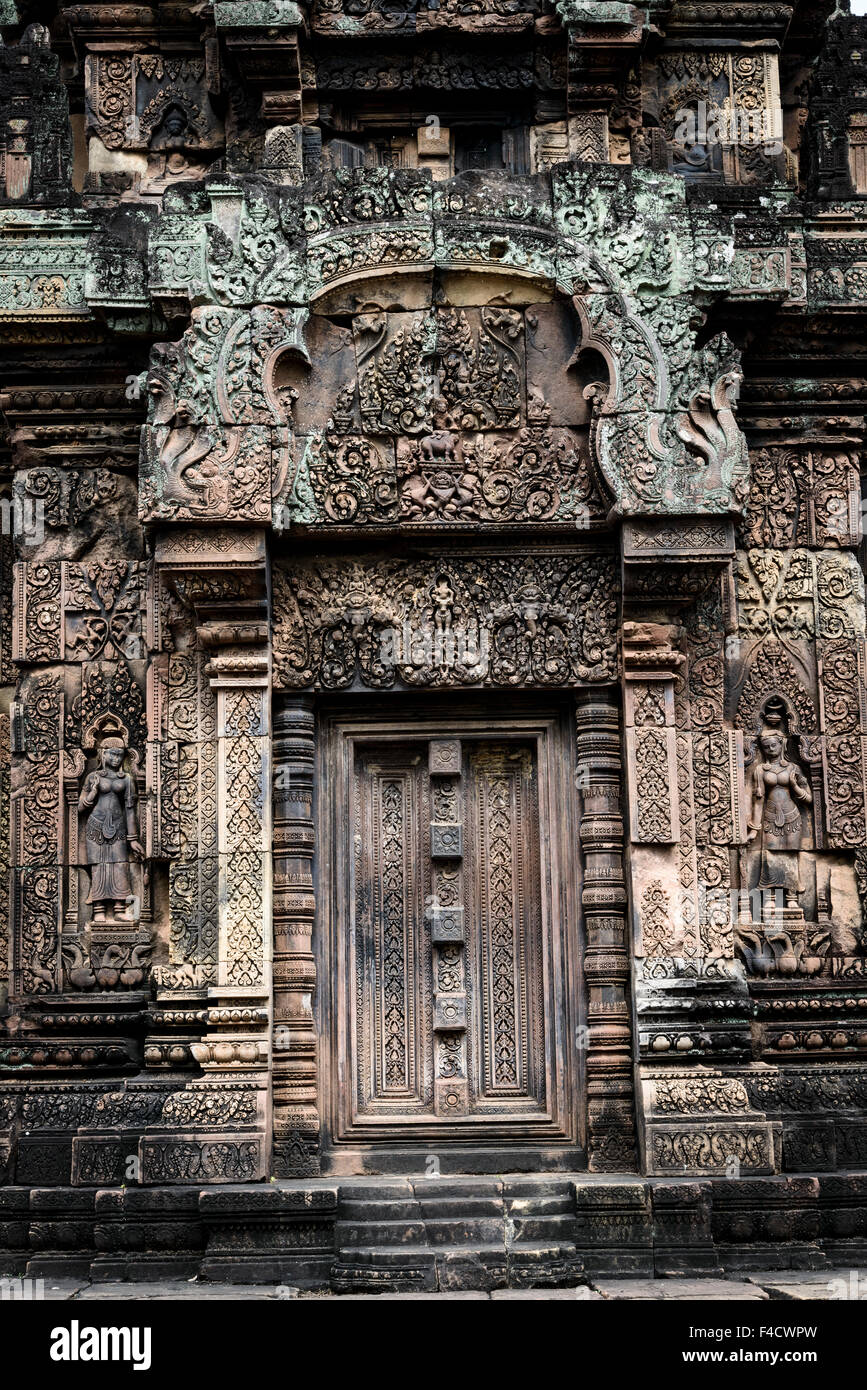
433	669
676	1289
834	1285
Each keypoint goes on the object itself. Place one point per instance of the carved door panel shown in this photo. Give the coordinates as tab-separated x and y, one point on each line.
452	960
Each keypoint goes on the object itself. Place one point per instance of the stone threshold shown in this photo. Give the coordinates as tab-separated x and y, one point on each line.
829	1285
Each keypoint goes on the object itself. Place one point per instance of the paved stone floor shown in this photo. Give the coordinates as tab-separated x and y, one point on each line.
824	1285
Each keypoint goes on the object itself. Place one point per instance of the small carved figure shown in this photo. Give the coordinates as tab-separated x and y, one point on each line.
441	446
439	493
172	145
78	969
111	833
214	487
444	484
443	596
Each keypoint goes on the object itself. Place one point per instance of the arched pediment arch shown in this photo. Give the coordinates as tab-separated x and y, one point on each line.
253	260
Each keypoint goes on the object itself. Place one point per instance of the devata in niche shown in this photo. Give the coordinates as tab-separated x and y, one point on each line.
780	791
111	833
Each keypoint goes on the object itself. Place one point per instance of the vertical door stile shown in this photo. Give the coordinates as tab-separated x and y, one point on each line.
351	1074
451	1085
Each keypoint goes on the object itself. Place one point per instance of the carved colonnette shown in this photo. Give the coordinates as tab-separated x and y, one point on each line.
611	1102
294	1079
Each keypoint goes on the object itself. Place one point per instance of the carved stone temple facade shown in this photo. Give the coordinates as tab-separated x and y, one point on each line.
434	700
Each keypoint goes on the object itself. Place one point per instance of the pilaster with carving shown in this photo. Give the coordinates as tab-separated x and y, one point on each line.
219	774
686	815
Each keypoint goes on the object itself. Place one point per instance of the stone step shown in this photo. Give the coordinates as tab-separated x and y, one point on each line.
433	1208
460	1231
389	1210
540	1207
458	1189
413	1236
386	1190
385	1254
376	1233
525	1229
480	1267
537	1188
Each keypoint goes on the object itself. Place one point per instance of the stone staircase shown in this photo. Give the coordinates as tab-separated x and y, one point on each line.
381	1240
405	1235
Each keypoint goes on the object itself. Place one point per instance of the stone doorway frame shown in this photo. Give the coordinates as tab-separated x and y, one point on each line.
341	728
300	1092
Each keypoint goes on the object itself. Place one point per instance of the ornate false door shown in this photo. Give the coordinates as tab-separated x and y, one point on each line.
452	1014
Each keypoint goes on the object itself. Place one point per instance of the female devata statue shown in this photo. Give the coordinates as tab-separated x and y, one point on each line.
111	832
780	790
